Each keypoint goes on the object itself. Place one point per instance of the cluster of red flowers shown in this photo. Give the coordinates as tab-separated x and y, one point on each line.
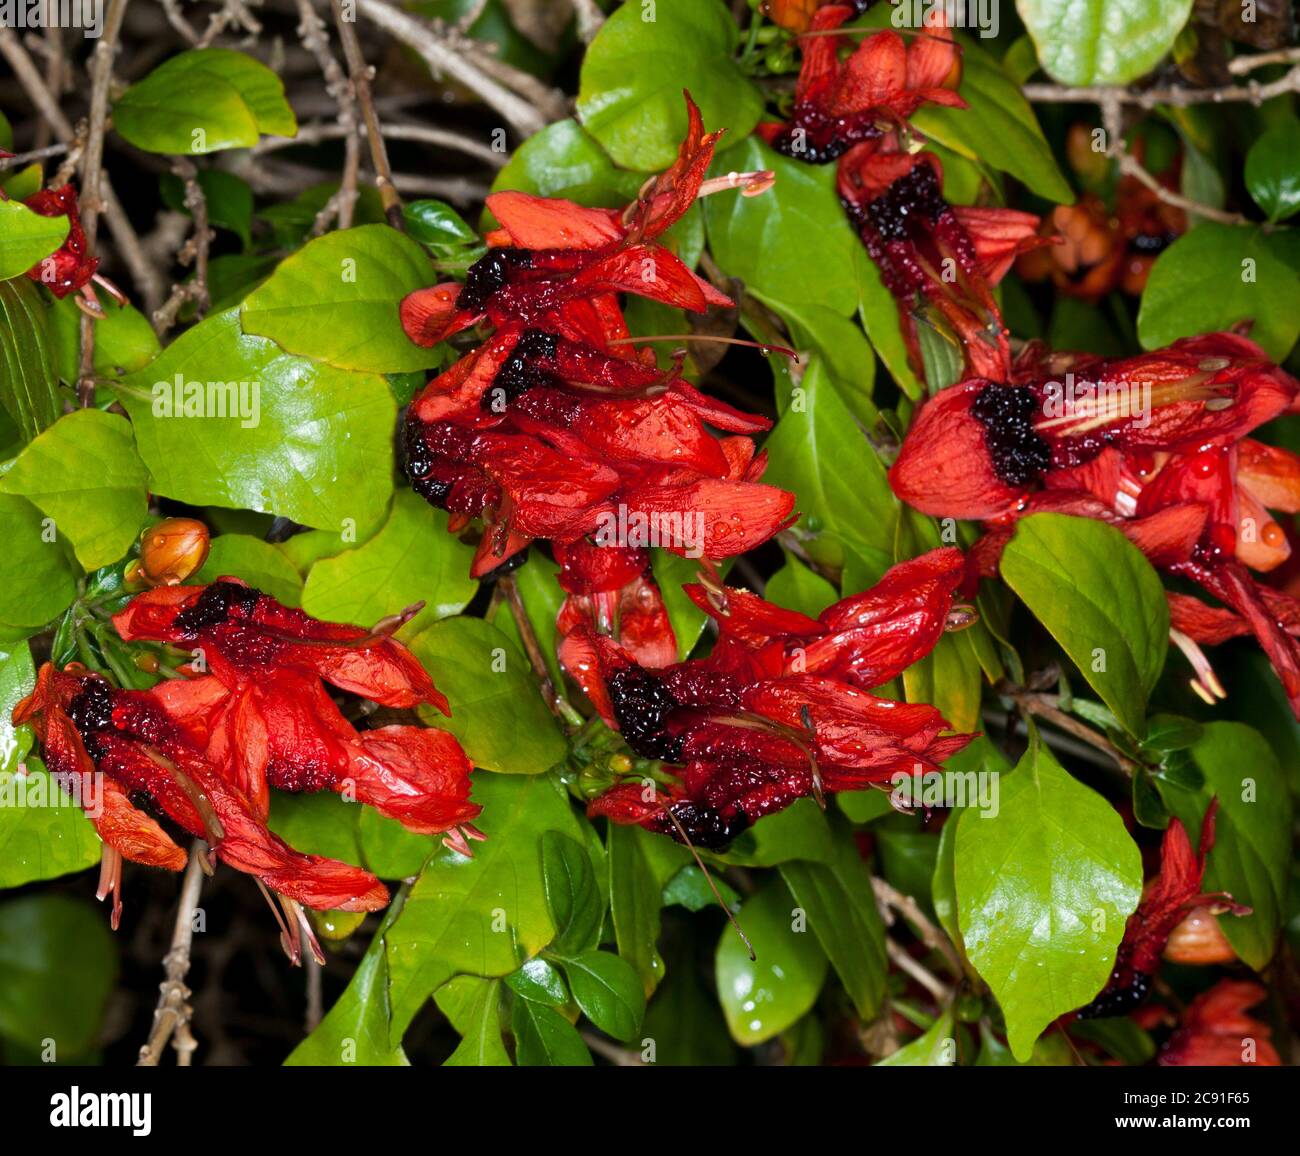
939	261
556	426
202	751
1158	448
780	709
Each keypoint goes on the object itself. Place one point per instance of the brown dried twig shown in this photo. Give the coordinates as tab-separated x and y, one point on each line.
193	252
171	1018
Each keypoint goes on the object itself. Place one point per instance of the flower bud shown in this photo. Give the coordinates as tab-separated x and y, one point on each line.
1199	940
172	550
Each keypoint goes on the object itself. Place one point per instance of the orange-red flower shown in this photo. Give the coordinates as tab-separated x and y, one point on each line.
69	268
1218	1031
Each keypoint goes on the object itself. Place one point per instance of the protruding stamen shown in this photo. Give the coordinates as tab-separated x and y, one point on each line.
750	184
709	880
110	883
1206	684
764	349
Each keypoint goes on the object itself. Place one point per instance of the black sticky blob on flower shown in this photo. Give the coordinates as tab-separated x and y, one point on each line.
214	606
642	704
1019	452
1119	1000
488	274
704	826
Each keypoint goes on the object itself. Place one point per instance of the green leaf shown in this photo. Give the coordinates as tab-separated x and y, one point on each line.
799	587
1252	845
486	915
1102	41
202	101
437	225
356	1029
760	999
843	346
1100	599
37	581
316	446
544	1038
412	559
28	388
819	452
336	299
798	832
539	981
1215	276
259	564
59	960
1044	888
564	160
685	1024
937	1048
879	313
842	912
608	990
84	473
27	237
792	246
998	129
634	71
475	1012
497	712
639	865
124	339
572	896
1271	173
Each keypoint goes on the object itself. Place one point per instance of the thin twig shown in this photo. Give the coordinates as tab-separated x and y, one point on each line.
424	134
1174	96
19	159
927	979
1046	706
361	74
194	251
444	60
171	1018
554	700
889	897
311	28
590	19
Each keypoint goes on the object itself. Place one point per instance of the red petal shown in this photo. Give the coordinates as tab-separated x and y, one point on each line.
554	223
418	776
430	315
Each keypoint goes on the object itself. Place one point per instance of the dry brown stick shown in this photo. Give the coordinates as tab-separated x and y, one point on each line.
361	74
890	897
445	60
311	29
194	251
1046	706
91	161
54	68
1174	96
144	274
40	154
171	1018
424	134
1112	119
532	647
1240	65
589	18
927	979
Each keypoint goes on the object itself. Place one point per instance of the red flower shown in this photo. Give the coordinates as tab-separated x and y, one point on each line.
939	262
69	267
1155	445
1169	897
265	718
1217	1031
137	745
779	711
840	103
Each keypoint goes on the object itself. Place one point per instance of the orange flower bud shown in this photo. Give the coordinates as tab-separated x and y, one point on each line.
1199	940
172	550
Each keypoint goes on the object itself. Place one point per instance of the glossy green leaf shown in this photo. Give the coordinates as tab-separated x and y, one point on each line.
1215	276
336	299
1252	845
575	902
28	386
412	559
312	442
85	474
124	339
1271	174
37	579
638	869
544	1038
539	981
792	246
1102	41
1044	888
202	101
564	160
798	587
474	1007
1100	599
819	452
437	225
259	564
497	711
998	129
59	960
799	832
634	71
26	237
761	998
842	912
486	915
936	1048
608	990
